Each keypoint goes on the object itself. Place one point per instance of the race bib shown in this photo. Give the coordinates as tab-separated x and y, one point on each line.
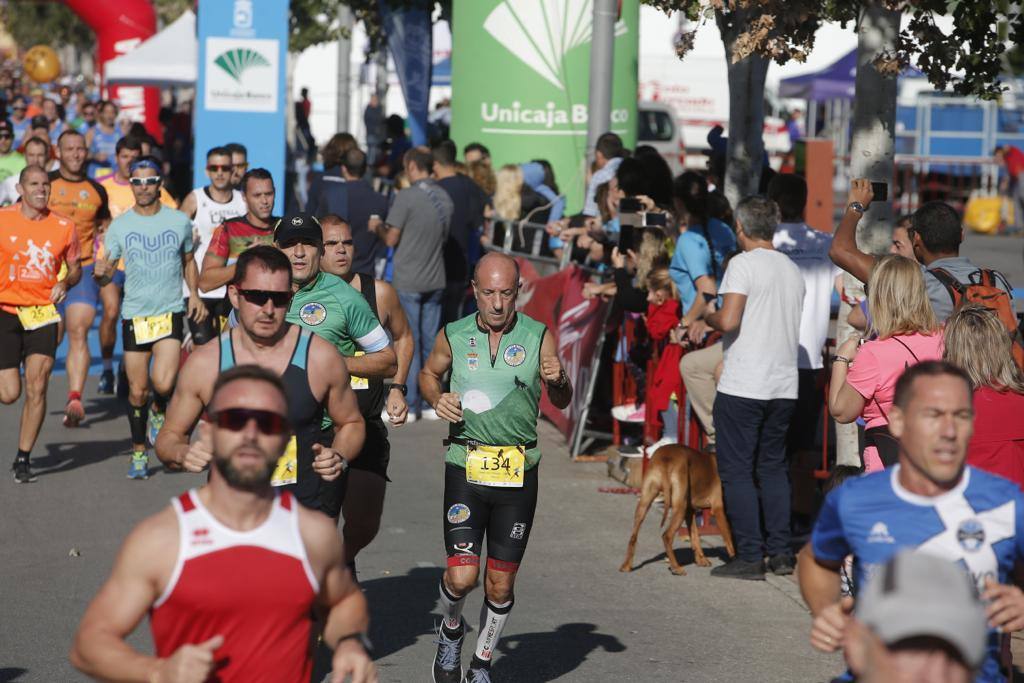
359	383
152	327
34	317
287	469
495	465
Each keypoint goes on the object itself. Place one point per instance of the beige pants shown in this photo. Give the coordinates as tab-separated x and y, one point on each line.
698	371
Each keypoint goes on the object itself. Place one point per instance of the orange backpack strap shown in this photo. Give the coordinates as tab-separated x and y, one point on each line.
957	290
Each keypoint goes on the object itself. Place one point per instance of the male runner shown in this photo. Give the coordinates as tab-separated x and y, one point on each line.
313	372
254	226
931	502
101	139
230	574
490	480
11	162
84	201
367	480
156	243
34	242
239	163
19	121
208	207
36	153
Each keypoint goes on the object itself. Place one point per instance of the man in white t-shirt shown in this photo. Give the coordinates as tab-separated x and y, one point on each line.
763	295
808	249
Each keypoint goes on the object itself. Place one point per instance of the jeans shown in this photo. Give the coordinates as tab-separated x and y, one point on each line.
423	309
752	447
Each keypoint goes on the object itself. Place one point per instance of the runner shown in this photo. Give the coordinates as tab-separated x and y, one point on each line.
239	163
120	199
156	243
101	139
491	462
930	502
367	480
84	201
208	207
37	153
19	121
314	375
11	162
237	234
34	242
231	574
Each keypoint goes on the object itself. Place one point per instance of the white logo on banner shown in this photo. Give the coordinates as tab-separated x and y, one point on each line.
242	74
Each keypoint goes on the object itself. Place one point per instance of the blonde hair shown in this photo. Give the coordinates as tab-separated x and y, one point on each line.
659	279
976	340
508	201
651	253
483	175
897	298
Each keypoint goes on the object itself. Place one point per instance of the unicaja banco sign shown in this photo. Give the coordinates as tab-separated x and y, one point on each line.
521	79
242	74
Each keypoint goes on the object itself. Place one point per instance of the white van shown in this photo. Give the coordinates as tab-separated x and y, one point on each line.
657	127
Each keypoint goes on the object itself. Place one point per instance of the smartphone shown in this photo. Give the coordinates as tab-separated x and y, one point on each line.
626	238
630	205
578	221
708	297
880	191
655	220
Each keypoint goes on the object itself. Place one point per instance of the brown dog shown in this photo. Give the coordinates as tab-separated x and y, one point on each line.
689	481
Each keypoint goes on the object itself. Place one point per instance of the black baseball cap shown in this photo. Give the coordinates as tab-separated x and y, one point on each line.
39	121
298	227
6	127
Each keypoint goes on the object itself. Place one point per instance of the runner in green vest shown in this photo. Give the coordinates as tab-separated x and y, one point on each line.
498	360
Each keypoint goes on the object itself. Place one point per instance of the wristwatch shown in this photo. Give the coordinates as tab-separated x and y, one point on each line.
359	636
858	207
401	387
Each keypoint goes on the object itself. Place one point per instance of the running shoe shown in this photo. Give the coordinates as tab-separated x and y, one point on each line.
23	474
448	661
106	385
139	468
74	413
154	425
478	676
629	412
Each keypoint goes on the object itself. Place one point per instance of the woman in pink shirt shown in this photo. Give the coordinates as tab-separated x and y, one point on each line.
976	340
864	374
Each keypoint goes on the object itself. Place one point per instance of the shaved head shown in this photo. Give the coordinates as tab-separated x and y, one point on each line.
494	260
496	286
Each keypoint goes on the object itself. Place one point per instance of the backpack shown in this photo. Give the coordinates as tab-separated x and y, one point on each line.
981	289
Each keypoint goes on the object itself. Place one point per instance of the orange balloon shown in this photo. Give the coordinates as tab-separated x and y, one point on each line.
42	64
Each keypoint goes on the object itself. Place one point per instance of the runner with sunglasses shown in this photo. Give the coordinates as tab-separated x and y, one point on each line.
232	574
209	207
11	161
314	376
156	244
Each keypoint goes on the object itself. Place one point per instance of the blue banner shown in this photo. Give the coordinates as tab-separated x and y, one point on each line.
240	94
410	41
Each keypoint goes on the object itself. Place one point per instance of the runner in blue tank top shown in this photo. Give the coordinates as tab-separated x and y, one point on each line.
101	140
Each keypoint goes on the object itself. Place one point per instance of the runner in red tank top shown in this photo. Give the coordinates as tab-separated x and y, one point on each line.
230	574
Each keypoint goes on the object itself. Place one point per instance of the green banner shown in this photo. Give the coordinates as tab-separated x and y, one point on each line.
521	82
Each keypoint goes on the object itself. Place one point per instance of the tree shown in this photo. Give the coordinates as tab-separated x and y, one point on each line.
46	23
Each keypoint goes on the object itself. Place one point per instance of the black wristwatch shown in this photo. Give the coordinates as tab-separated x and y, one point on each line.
858	207
401	387
361	637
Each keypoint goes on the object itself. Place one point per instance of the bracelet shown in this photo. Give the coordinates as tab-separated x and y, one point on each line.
842	359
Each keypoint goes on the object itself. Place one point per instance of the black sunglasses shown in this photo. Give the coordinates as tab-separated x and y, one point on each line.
235	420
259	297
219	168
6	136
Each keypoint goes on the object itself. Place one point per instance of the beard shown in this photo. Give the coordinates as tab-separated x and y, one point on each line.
245	480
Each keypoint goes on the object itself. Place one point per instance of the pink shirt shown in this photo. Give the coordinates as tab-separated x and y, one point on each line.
879	363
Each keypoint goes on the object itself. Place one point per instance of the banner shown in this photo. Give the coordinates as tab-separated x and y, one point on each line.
557	302
521	82
240	94
410	36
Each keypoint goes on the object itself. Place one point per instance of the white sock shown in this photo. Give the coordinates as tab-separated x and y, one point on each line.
452	608
492	622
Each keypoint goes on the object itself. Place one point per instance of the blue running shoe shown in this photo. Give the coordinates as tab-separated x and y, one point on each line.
140	466
106	384
154	425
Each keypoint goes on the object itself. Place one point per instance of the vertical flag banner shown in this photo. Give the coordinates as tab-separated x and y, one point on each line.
243	50
410	42
521	81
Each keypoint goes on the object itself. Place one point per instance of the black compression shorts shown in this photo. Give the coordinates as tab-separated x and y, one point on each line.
376	453
504	514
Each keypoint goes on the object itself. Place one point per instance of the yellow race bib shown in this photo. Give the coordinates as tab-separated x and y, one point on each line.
287	469
152	327
495	465
34	317
359	383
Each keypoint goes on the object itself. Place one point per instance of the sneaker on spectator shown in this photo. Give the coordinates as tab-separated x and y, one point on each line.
664	441
429	414
782	565
629	450
629	412
740	569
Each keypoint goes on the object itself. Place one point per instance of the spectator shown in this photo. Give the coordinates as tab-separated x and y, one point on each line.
468	202
475	152
693	204
373	120
327	192
239	163
936	234
930	503
808	249
657	173
864	377
633	267
976	341
795	127
508	200
608	154
482	174
901	242
398	145
418	225
760	321
303	108
1012	159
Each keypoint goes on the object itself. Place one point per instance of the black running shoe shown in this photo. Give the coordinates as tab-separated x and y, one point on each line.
740	569
448	660
22	472
782	565
106	384
477	676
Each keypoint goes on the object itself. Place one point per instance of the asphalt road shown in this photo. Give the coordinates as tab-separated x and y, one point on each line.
576	617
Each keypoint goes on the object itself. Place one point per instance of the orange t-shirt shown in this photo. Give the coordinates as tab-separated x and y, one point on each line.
31	255
85	203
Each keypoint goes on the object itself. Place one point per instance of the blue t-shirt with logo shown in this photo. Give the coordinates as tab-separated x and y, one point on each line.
977	524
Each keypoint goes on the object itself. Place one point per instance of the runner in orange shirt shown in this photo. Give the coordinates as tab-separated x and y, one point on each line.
33	244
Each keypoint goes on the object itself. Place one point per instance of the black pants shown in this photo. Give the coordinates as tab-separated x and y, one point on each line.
751	447
452	303
803	428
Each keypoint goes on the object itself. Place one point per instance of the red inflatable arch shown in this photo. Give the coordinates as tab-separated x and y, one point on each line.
120	25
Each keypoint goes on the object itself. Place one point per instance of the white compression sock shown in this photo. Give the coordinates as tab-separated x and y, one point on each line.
452	608
492	622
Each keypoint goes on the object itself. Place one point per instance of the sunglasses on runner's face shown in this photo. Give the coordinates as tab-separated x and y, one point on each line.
139	182
235	420
6	136
219	168
259	297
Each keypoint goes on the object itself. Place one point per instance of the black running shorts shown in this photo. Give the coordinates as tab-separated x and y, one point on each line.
128	333
17	343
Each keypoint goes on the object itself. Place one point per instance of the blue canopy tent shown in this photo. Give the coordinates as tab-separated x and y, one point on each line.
834	82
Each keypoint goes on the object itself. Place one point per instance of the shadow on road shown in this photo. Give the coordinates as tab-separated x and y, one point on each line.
549	655
684	556
11	674
63	457
97	411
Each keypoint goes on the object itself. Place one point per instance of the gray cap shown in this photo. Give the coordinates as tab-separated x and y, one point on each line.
915	594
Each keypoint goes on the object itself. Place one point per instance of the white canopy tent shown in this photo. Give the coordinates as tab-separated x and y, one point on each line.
169	58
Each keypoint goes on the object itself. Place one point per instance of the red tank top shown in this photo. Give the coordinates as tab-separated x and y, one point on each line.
256	588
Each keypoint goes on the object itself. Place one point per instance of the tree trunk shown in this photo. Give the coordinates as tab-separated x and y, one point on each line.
746	111
874	121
